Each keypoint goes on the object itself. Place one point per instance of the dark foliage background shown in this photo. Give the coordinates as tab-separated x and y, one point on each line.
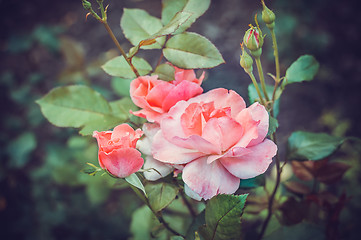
43	44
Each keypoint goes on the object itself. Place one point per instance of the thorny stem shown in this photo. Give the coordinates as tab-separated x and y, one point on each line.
103	20
161	54
159	60
272	197
157	214
254	81
261	77
106	25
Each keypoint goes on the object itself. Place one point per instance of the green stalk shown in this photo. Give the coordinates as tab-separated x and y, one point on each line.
261	77
275	53
254	81
277	63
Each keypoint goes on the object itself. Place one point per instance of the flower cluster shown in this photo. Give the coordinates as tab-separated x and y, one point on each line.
212	138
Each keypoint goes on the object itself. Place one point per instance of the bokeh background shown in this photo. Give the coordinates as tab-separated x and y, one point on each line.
43	44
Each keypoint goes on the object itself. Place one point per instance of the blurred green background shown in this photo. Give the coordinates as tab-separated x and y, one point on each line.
43	44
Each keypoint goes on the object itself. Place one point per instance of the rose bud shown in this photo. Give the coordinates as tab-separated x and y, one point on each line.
246	61
268	16
117	153
253	39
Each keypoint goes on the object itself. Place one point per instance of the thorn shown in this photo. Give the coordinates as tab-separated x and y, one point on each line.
86	16
106	8
272	76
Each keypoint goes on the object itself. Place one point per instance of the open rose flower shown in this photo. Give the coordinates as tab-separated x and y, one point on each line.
217	139
156	97
117	153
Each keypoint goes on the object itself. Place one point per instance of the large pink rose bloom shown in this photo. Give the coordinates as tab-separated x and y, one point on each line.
156	97
217	139
117	153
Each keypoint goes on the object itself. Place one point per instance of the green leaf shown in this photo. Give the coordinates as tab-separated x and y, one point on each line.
118	67
20	149
135	181
273	125
311	146
141	224
121	86
177	21
191	50
121	107
160	195
253	96
171	7
223	217
79	107
165	72
303	69
138	25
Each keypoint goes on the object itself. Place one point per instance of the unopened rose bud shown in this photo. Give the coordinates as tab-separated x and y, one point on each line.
246	61
253	39
268	16
87	5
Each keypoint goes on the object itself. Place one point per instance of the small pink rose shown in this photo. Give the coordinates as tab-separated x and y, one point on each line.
156	97
117	153
218	141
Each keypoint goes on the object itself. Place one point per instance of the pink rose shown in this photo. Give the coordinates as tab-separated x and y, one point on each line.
217	139
156	97
117	153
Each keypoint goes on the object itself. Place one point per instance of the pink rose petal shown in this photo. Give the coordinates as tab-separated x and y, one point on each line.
121	162
208	180
253	163
161	169
167	152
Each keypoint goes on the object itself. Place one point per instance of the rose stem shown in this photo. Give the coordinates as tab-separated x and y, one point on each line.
254	81
277	63
261	77
103	20
272	197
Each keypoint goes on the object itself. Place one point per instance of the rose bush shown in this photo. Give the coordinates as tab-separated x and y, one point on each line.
156	96
218	141
117	153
